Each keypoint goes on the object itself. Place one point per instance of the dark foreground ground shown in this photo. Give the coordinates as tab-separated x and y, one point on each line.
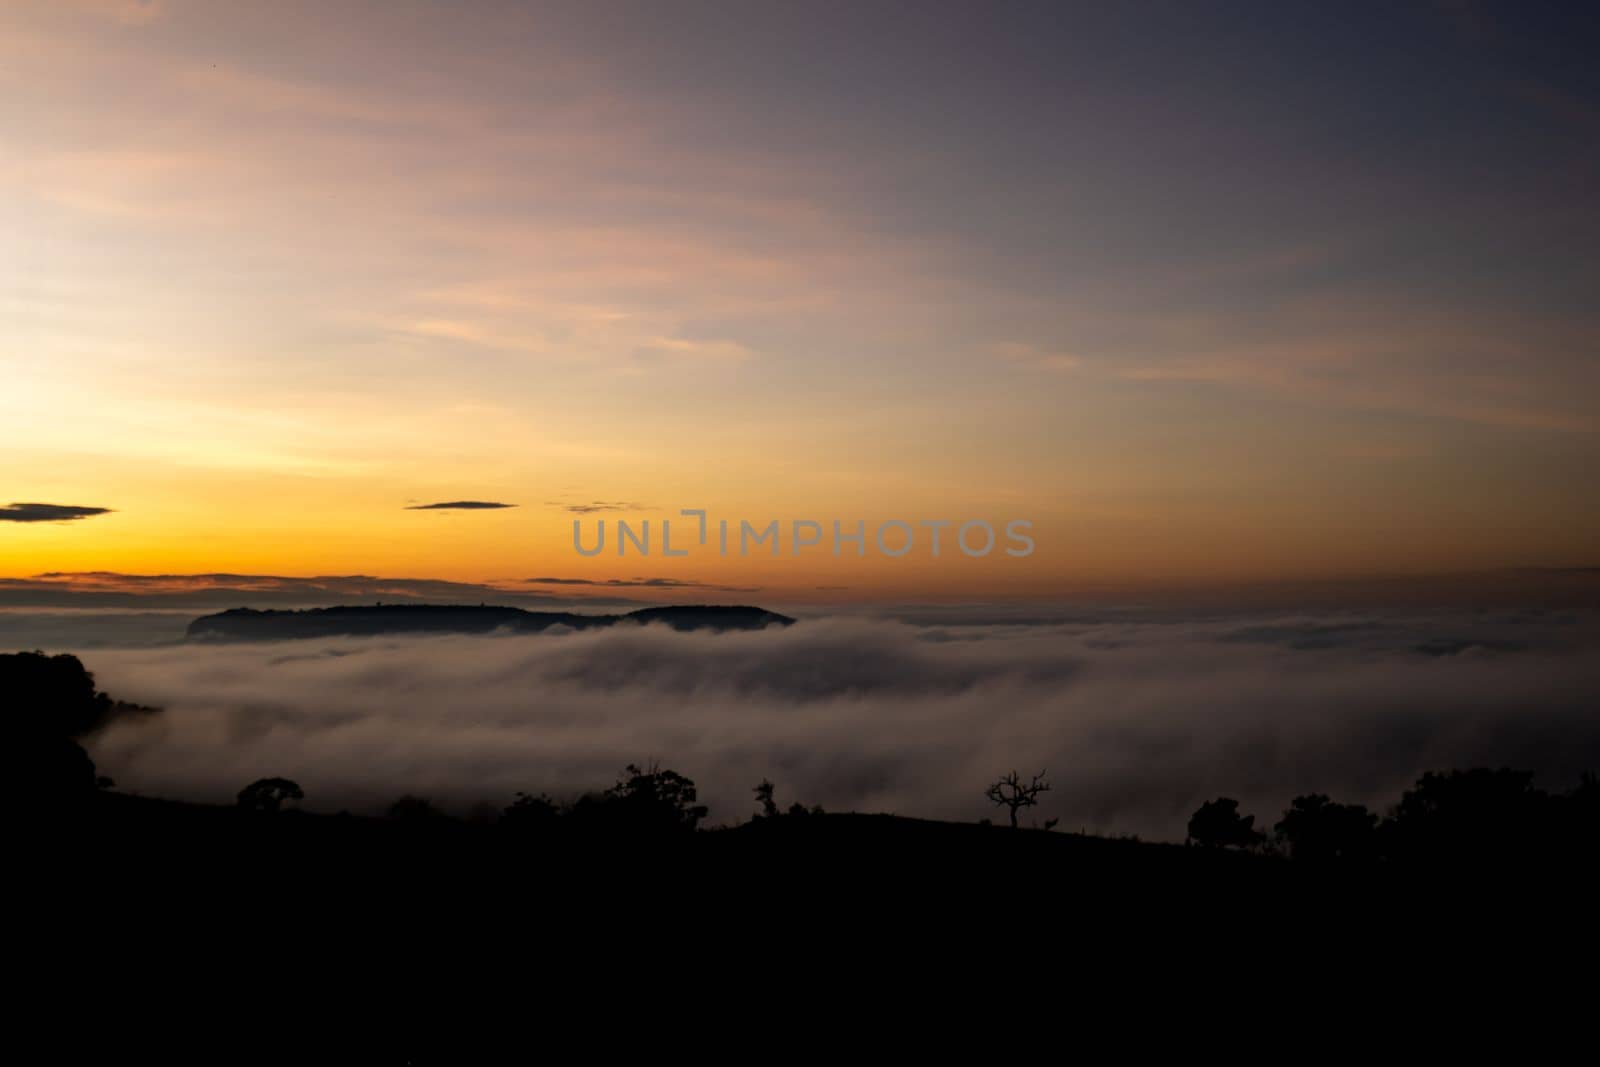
859	863
338	938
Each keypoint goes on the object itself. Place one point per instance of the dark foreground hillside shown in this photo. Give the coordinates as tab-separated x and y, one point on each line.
847	843
853	910
845	851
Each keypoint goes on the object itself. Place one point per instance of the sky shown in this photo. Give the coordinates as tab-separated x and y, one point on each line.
1207	293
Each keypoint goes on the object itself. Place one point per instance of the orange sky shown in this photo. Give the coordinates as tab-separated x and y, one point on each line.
275	274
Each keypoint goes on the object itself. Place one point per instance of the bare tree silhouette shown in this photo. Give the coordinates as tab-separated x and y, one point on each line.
1010	792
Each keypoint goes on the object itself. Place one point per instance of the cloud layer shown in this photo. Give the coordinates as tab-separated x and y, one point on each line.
1136	722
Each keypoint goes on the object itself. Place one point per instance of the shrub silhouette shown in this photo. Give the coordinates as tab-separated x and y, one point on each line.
1315	828
268	794
1218	824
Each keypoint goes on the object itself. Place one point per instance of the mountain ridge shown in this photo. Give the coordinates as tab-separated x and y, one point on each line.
252	624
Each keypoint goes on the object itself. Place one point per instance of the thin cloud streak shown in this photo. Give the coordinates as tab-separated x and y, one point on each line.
460	505
48	512
600	505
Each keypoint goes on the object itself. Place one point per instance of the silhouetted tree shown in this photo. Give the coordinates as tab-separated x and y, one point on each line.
50	703
268	794
661	795
764	797
1315	828
52	696
530	812
1478	812
769	803
644	801
1218	824
1010	793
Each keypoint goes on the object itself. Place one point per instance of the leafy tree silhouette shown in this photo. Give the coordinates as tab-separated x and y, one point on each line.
50	704
1218	824
659	795
268	794
52	695
1010	793
1478	812
645	801
531	812
1315	828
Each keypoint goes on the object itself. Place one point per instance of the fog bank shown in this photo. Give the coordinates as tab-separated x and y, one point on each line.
1136	722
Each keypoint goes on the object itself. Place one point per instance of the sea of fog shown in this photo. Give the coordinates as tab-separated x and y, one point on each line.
1136	717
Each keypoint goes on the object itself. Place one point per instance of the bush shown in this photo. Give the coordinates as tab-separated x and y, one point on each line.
1218	824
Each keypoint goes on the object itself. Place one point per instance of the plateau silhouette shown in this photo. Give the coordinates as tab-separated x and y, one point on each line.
250	624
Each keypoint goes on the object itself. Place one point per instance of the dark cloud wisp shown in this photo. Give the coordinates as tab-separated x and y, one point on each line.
461	505
48	512
599	505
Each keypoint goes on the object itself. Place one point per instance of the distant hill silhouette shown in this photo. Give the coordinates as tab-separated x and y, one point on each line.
249	624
